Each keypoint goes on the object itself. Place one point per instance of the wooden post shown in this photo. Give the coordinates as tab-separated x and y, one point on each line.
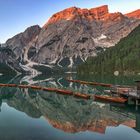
138	122
137	102
138	87
130	101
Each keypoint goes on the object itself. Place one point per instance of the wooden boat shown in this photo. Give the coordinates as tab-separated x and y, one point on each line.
110	99
59	91
36	87
90	83
23	86
49	89
12	85
2	85
8	85
65	92
80	95
74	81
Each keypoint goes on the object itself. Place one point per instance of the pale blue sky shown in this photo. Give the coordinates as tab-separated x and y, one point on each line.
17	15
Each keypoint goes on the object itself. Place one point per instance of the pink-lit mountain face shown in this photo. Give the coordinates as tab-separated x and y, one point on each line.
71	36
134	14
98	14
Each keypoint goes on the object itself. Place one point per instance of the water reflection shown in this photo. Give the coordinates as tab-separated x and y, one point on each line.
67	113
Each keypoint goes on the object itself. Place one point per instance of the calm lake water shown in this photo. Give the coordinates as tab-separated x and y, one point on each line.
38	115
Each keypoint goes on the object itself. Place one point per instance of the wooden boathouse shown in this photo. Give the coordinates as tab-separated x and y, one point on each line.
132	93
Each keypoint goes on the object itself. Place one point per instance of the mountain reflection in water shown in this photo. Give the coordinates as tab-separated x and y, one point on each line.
67	113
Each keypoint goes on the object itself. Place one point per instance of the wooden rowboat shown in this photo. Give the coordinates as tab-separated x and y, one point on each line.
59	91
65	92
11	85
8	85
110	99
90	83
49	89
36	87
83	96
23	86
2	85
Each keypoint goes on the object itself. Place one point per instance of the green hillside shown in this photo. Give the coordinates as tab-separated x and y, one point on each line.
124	57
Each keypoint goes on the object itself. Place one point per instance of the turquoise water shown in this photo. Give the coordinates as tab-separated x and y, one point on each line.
39	115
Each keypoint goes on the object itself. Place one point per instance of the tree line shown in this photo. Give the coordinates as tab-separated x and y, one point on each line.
123	57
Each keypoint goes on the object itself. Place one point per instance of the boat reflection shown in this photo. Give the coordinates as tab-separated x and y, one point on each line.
68	113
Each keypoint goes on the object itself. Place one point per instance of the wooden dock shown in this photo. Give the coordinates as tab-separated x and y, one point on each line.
130	92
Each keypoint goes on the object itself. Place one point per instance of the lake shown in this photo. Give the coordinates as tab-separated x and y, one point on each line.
40	115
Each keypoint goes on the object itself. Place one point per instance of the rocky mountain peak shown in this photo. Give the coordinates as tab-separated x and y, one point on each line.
97	13
134	14
115	16
94	14
66	14
25	37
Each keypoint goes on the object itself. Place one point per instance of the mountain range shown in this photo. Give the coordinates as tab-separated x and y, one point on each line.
67	39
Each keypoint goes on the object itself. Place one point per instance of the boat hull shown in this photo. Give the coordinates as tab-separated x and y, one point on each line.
110	99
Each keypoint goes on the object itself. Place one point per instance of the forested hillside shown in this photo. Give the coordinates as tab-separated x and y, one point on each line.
124	57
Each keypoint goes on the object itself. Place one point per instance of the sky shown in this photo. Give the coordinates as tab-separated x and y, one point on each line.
17	15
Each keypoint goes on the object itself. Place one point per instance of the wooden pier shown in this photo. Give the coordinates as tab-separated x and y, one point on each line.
131	93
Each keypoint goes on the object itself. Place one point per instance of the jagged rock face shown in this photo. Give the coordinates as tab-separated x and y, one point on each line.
62	40
14	51
22	40
98	13
70	37
8	57
135	14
